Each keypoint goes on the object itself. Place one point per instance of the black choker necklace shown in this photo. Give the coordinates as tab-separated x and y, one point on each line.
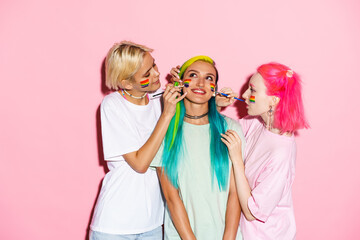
196	117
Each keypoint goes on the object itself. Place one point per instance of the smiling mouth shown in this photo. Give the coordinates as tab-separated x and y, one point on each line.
198	91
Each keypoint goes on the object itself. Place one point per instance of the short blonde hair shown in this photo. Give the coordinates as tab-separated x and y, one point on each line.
122	61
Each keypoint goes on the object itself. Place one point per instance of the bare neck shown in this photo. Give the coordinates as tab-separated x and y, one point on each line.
265	118
196	109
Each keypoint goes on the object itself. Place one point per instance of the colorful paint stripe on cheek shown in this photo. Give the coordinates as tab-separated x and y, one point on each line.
212	86
187	82
144	83
252	99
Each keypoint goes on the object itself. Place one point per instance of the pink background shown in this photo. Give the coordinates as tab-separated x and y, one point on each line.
51	63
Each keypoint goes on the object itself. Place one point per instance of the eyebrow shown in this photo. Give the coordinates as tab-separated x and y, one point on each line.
251	85
193	70
149	68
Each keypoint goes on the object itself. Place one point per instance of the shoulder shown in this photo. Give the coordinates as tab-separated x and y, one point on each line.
111	98
283	149
112	107
234	125
249	122
111	101
231	122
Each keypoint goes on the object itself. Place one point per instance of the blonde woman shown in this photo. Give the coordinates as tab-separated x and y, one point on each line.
130	204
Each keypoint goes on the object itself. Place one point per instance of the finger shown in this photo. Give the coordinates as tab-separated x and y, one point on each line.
232	132
233	95
175	73
226	90
220	96
174	93
234	135
230	137
175	89
226	137
181	97
225	142
178	84
174	70
167	90
175	80
237	136
175	76
173	96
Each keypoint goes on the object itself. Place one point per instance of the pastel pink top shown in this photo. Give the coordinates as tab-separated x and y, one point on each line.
270	169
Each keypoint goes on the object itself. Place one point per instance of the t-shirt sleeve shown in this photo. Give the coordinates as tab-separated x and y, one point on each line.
247	122
270	186
157	161
118	135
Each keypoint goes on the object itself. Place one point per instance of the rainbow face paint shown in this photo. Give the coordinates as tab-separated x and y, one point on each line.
144	83
212	86
187	82
252	99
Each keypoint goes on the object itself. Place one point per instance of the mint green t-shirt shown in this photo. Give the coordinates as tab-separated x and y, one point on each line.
205	204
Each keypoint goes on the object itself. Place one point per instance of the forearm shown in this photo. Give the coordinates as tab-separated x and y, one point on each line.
180	218
176	207
233	211
243	189
141	159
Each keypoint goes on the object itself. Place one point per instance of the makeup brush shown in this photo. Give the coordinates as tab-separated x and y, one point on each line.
176	84
226	95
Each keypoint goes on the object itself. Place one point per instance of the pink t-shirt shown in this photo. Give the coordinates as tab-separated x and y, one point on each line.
270	169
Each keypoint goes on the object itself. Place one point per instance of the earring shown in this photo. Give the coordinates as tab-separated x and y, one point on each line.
269	120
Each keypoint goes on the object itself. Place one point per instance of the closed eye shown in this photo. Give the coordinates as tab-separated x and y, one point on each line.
148	74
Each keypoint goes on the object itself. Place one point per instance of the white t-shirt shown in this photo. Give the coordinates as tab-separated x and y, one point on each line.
129	202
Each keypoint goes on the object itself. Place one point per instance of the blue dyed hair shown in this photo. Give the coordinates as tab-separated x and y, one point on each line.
173	149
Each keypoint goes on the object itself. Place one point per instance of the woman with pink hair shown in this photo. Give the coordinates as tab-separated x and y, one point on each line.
265	176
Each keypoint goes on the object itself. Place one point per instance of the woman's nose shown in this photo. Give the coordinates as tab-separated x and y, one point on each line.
245	95
201	82
157	73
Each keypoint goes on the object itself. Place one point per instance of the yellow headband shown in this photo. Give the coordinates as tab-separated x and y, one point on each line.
192	60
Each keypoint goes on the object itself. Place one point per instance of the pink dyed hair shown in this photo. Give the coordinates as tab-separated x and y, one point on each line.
284	83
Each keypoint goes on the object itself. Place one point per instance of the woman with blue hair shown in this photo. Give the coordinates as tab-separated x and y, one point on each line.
193	166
